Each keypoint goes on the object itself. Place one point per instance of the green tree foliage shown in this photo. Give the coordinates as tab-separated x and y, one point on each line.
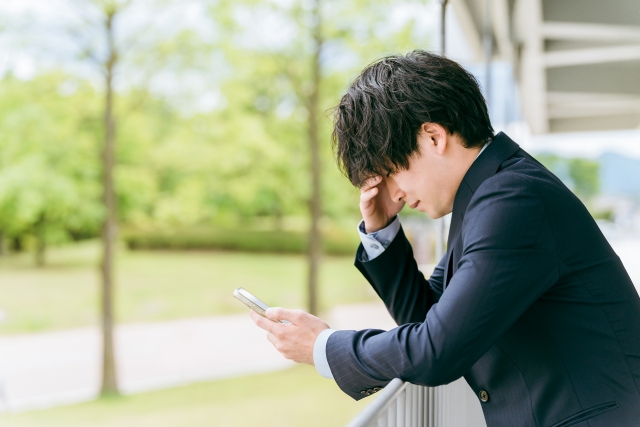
48	170
272	79
585	175
179	165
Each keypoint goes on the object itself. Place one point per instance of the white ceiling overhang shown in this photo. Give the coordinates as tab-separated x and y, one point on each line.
577	61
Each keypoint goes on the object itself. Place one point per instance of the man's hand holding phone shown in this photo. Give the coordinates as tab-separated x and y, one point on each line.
294	341
292	332
376	205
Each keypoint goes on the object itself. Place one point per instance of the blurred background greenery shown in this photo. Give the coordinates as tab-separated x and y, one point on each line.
215	106
233	155
162	285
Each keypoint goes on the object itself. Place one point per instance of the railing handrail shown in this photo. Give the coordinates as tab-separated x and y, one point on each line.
402	404
384	399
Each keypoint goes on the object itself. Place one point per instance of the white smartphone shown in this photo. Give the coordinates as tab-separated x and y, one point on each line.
254	304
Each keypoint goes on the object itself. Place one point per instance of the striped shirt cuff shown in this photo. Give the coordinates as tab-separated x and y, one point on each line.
375	243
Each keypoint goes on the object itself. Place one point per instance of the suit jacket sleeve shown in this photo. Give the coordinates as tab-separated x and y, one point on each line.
508	261
395	277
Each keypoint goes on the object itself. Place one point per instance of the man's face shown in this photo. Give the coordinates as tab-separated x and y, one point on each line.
434	175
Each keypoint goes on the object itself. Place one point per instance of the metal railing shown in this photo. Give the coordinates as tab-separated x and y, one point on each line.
402	404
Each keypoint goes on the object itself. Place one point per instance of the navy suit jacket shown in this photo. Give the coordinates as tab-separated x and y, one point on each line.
530	304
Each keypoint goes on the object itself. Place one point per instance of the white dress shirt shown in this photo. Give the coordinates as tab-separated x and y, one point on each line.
374	244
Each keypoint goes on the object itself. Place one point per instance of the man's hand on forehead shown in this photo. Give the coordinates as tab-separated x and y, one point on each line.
376	204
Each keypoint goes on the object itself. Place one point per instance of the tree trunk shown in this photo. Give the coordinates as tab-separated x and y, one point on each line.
109	229
16	244
40	242
315	203
278	218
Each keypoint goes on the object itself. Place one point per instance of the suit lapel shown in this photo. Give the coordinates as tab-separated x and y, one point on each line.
485	166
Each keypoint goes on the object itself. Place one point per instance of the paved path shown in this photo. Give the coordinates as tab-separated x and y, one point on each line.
41	370
47	369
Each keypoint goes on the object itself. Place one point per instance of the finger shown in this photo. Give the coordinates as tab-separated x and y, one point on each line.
279	313
278	345
272	339
371	182
368	195
263	323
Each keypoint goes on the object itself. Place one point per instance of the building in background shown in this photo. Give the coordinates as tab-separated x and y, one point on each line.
563	77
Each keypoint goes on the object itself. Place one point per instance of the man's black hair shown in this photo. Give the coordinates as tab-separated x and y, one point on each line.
377	121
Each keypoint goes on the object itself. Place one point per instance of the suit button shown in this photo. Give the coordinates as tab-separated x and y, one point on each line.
484	396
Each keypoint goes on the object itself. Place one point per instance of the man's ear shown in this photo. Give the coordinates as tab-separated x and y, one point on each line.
436	136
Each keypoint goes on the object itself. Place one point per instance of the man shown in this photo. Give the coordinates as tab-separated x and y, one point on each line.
530	303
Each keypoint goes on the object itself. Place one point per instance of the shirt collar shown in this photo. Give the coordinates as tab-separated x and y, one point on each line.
485	146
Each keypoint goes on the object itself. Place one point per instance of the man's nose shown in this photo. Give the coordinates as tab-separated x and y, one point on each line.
397	195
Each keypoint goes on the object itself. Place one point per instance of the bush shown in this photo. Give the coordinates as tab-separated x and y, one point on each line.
335	242
606	214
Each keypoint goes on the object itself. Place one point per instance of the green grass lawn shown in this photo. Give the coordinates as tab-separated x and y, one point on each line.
297	397
160	285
